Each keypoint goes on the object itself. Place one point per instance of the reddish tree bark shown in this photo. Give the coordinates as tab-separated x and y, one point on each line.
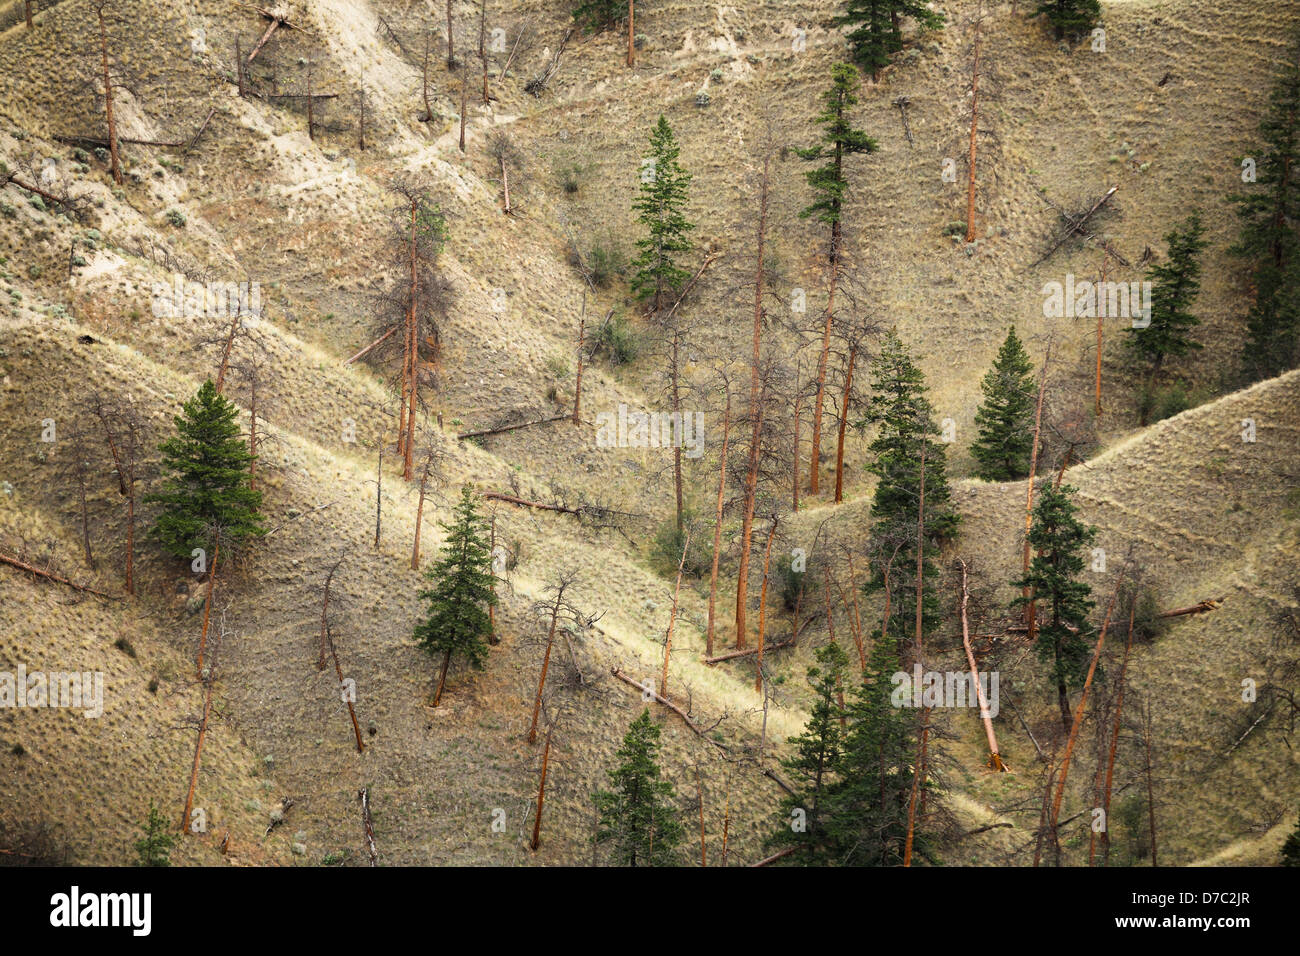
844	421
541	791
717	524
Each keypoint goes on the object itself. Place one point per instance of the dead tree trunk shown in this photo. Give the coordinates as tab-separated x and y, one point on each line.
198	753
424	74
207	603
762	606
27	13
364	795
699	792
419	510
995	758
1100	312
114	157
1078	711
464	93
794	488
677	446
1151	794
379	492
1114	739
631	32
672	616
844	422
324	615
546	664
338	670
577	382
541	791
974	123
756	414
451	51
717	524
814	466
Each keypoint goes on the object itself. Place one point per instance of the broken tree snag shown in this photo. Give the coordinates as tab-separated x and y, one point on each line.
995	759
501	429
1075	224
647	692
49	575
903	102
324	615
364	796
1078	710
278	19
672	616
511	499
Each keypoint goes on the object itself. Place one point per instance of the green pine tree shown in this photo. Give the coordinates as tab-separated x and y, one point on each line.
1059	538
207	489
867	806
637	816
1005	441
457	620
1175	285
597	15
154	848
1291	848
1269	211
813	766
1070	18
877	32
664	186
905	425
839	139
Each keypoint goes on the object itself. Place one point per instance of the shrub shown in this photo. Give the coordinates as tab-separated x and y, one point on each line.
154	848
617	340
666	549
606	261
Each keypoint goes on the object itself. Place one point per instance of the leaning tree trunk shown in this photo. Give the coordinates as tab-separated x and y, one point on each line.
717	525
442	677
546	665
541	792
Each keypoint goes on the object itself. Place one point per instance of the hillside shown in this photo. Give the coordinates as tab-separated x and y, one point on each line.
1165	114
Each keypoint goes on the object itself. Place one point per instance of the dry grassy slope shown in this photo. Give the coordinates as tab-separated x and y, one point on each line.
260	197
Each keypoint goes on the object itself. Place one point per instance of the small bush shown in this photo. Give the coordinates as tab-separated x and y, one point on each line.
154	848
666	550
617	340
125	646
176	218
1160	402
606	262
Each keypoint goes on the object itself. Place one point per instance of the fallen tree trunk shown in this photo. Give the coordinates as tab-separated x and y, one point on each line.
696	728
510	428
732	655
776	856
23	566
511	499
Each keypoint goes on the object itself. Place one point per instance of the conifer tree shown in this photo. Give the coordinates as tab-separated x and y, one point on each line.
813	766
597	15
1269	211
207	489
457	619
867	811
637	816
1071	18
1005	418
1175	285
1291	848
664	186
154	848
839	139
877	32
1059	538
905	423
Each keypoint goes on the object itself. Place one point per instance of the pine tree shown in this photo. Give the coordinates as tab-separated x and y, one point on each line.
1071	18
1005	418
597	15
867	806
664	186
838	139
457	619
905	421
1291	848
813	766
637	815
207	491
1175	285
1269	212
877	32
154	848
1058	538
